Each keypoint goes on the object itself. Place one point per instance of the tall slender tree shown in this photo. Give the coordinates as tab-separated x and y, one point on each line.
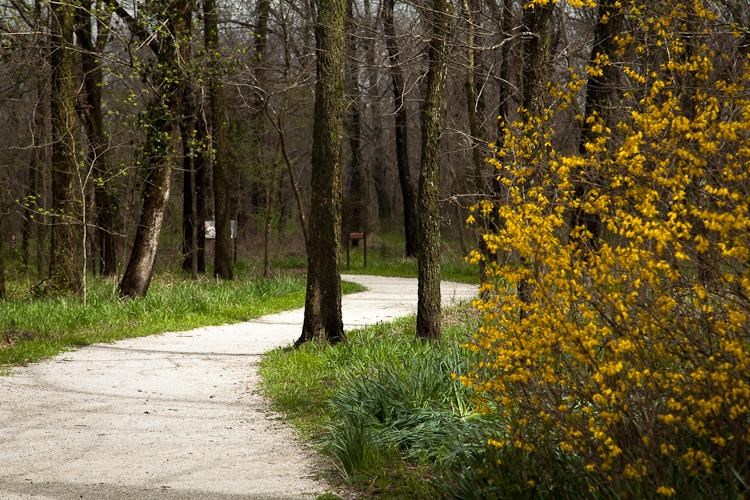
223	254
65	255
600	94
160	120
536	48
92	47
401	129
2	263
428	208
31	230
323	297
356	216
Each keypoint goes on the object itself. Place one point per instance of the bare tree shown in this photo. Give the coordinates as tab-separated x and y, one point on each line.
401	129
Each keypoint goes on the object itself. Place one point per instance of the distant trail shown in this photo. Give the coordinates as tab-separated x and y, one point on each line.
172	415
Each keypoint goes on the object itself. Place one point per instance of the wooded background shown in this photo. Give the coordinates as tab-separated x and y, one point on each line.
108	107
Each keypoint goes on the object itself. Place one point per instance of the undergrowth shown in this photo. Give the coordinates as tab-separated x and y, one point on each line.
386	408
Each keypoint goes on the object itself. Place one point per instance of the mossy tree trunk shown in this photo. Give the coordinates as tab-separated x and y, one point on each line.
428	208
223	253
323	298
401	129
160	120
65	256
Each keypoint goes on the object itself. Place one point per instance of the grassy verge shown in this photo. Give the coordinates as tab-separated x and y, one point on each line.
385	258
384	406
34	328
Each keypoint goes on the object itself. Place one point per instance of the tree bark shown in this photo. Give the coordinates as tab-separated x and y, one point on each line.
161	117
536	53
323	298
98	140
600	91
39	161
505	89
471	16
356	204
2	263
535	57
428	208
193	134
401	129
65	264
223	251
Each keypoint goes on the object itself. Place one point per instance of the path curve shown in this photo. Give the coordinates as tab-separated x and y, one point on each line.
174	415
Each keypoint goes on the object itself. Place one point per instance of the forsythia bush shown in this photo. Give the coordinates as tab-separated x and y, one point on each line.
630	353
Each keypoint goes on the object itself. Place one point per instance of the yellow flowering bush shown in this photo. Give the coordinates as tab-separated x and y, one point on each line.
630	350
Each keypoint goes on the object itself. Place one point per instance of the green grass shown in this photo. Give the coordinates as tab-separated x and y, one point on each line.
35	328
383	405
385	258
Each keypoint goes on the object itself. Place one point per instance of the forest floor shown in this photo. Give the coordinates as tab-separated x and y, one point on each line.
176	415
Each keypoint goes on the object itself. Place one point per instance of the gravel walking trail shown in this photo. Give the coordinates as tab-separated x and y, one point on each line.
170	416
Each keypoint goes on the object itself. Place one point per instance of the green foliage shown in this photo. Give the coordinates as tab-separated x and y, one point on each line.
384	406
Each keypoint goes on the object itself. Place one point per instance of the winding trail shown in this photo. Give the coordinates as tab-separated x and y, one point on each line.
169	416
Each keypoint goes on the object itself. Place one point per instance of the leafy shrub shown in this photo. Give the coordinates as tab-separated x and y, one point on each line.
630	353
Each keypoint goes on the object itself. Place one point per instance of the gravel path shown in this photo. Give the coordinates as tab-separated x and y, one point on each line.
170	416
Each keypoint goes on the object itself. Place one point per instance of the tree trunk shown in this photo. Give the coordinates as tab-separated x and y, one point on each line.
223	252
471	16
535	57
356	204
257	125
505	89
323	298
188	136
98	141
600	89
2	265
193	134
428	208
536	52
65	265
270	207
28	229
401	131
160	120
199	197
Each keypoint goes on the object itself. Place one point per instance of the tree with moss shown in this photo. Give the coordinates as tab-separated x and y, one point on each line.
323	295
428	208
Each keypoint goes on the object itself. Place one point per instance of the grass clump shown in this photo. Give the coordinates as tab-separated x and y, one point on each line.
34	328
385	406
